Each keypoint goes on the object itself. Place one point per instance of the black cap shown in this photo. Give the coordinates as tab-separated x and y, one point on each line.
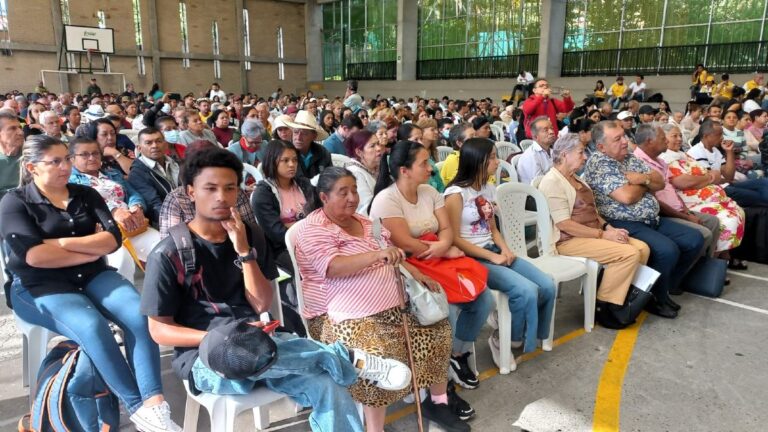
238	350
647	109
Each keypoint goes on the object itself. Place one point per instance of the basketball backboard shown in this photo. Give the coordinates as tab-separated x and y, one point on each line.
83	39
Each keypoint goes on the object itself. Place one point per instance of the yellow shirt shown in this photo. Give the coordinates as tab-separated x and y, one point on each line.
205	118
618	90
451	168
726	89
751	84
600	94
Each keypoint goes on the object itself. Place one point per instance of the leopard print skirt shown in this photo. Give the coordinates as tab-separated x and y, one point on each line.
383	335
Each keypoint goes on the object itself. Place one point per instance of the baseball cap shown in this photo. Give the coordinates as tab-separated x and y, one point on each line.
647	109
624	115
237	350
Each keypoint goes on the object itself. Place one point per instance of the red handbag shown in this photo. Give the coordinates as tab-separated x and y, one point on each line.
462	279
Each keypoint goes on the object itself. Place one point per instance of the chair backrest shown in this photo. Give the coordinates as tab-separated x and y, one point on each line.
505	166
439	165
498	132
339	160
290	244
516	159
524	144
250	170
443	152
510	199
504	149
500	124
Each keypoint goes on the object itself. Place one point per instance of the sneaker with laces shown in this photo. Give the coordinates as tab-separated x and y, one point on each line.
493	344
458	405
461	372
443	416
156	418
387	374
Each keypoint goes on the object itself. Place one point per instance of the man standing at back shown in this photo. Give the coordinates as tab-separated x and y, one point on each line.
541	104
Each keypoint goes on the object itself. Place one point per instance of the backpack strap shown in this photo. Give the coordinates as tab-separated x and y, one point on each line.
58	391
182	238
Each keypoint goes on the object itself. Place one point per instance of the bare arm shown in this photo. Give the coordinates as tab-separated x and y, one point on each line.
576	229
628	194
165	331
729	169
258	290
401	236
687	181
344	265
454	206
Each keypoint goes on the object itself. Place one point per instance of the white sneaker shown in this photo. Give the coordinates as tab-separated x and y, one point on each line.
493	343
156	418
387	374
409	399
546	345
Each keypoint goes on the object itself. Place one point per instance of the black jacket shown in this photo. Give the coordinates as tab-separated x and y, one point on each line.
320	160
152	187
266	207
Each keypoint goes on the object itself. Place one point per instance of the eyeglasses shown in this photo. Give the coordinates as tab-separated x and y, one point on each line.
86	156
56	163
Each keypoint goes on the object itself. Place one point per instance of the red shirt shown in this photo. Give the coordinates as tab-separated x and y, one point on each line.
536	106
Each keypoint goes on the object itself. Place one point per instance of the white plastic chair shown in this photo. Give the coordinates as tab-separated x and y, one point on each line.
290	244
505	166
500	124
498	132
524	144
511	199
443	152
34	348
250	170
224	409
439	166
504	149
339	160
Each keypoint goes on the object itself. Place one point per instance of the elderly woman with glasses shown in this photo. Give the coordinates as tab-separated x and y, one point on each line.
580	231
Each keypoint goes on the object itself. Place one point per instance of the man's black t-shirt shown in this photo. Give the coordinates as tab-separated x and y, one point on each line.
217	294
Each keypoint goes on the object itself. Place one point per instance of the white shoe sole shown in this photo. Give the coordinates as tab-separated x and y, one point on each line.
496	355
452	375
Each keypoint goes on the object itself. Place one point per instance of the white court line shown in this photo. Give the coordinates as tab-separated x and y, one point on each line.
738	305
765	279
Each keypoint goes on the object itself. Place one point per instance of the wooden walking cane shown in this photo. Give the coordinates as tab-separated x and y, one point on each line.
404	316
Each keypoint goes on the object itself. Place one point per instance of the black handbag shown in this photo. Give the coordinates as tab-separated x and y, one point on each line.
618	317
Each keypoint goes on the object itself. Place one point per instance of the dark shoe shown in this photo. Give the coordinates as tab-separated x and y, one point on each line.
462	373
727	281
660	309
737	265
672	305
605	317
676	292
443	416
458	405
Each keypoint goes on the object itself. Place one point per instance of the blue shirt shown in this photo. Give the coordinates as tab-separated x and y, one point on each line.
605	174
335	144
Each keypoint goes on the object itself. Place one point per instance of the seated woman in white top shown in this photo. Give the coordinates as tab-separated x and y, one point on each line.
470	201
365	149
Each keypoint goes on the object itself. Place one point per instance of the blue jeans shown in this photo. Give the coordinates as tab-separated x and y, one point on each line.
749	193
674	249
310	373
467	319
531	295
84	317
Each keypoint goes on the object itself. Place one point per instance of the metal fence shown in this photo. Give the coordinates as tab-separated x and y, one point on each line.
732	58
372	71
477	67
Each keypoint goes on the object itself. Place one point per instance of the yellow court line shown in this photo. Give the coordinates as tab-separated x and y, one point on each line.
606	416
397	415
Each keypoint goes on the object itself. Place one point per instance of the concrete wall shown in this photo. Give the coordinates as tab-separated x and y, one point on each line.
34	46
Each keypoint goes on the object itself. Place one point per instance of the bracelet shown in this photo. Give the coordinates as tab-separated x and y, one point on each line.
605	224
117	156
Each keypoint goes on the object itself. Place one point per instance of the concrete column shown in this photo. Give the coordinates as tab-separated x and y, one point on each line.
407	39
58	32
155	38
240	24
552	38
313	25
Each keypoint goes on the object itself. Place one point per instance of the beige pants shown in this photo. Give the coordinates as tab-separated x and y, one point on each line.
619	260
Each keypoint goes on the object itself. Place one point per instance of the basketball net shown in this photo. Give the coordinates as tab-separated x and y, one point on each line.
88	55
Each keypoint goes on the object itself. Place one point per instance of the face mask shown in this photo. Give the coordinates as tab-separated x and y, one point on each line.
171	136
446	133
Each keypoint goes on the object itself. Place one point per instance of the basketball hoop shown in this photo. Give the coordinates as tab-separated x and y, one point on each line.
88	54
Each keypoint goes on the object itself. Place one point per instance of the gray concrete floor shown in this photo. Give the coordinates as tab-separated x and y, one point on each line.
705	371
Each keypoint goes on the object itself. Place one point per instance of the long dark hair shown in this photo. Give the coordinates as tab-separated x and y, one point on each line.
473	163
403	154
274	150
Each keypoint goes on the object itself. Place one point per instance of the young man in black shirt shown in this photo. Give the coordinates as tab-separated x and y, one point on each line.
232	270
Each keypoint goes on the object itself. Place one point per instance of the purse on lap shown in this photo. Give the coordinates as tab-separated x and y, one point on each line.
428	307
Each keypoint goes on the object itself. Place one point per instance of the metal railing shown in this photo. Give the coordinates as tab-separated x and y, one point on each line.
372	71
730	58
476	67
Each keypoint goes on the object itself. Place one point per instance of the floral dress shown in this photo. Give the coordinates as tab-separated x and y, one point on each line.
709	199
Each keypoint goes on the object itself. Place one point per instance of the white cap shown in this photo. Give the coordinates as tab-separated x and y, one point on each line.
624	115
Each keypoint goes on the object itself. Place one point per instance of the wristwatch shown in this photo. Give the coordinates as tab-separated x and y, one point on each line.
250	256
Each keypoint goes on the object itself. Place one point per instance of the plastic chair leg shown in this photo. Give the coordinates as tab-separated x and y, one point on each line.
546	344
25	375
505	332
37	347
260	417
191	415
589	288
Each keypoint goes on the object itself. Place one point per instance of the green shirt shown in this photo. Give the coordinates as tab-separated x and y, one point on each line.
9	173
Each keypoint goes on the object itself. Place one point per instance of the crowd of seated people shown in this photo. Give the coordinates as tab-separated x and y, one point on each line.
626	183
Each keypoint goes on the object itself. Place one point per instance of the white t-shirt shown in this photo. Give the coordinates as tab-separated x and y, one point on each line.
750	105
222	96
712	160
636	88
475	227
420	217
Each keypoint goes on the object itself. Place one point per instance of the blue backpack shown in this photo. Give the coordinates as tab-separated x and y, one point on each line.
70	395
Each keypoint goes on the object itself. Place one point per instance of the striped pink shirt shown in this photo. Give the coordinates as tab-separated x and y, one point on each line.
365	293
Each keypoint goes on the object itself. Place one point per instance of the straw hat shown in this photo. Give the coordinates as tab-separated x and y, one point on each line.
94	112
305	120
281	121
